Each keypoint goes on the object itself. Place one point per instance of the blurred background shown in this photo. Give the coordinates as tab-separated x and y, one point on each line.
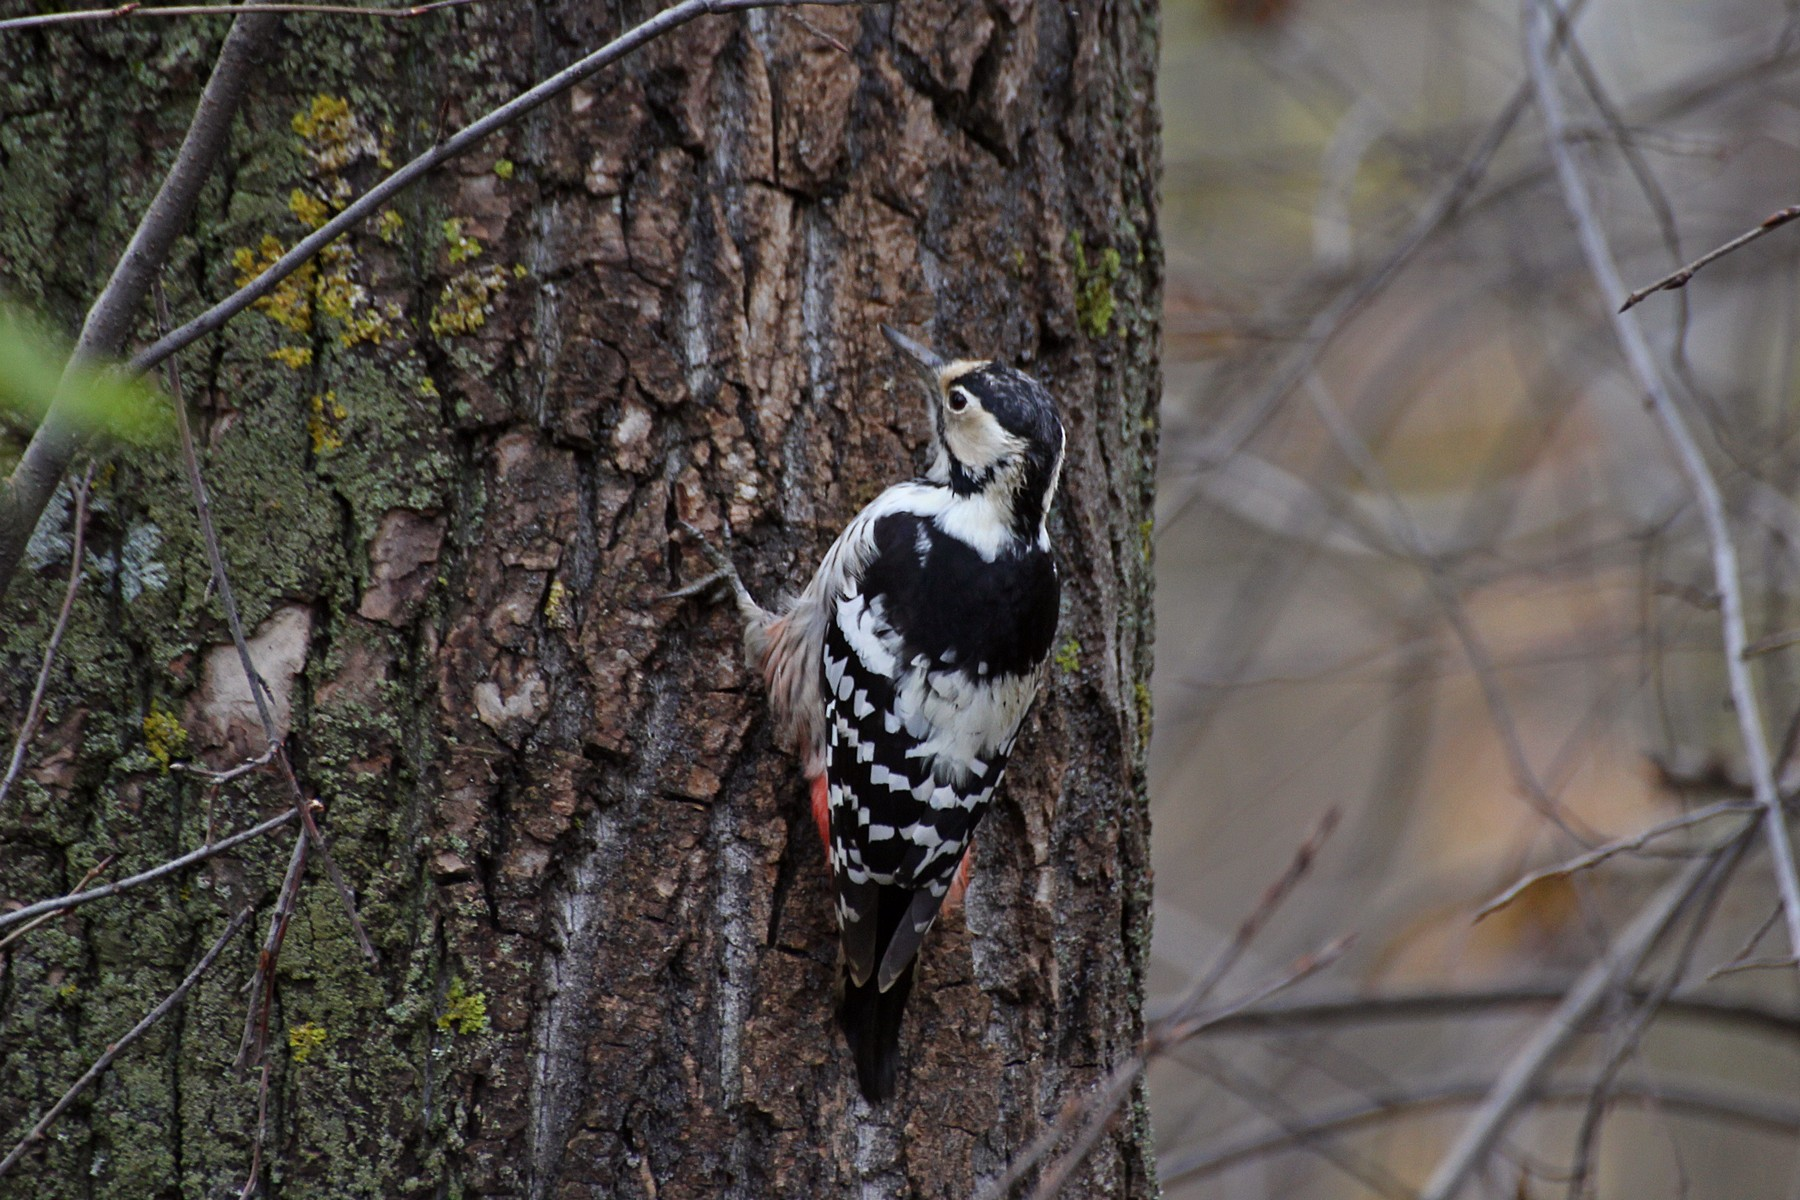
1426	559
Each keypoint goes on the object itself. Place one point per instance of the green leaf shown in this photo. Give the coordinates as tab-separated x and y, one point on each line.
99	399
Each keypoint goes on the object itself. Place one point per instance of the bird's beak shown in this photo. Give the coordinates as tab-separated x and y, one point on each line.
928	361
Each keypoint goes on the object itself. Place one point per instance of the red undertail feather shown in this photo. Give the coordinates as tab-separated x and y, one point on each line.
821	811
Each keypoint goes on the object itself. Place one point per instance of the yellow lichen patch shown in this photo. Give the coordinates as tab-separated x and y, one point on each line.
164	736
333	135
388	225
294	358
464	304
556	606
504	168
1068	657
464	1011
1094	300
428	387
290	303
463	247
311	211
305	1038
325	424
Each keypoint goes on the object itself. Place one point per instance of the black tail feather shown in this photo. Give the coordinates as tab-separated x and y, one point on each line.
871	1020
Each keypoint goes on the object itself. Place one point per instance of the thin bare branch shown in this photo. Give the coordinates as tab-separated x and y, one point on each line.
1525	1072
1537	15
371	201
34	711
1094	1117
59	435
92	873
1754	1112
115	1049
303	805
40	20
226	776
1086	1118
1679	279
1296	1015
1600	854
77	898
256	1022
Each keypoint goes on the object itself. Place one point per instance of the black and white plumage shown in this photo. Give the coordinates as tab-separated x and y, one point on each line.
903	672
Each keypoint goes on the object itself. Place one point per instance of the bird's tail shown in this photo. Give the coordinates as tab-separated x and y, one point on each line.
871	1020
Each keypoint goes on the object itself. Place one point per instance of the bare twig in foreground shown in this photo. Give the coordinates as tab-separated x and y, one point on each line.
1679	279
92	873
34	711
460	143
1538	15
113	1051
1754	1112
222	10
1600	854
73	899
1090	1120
59	435
258	689
1088	1117
1613	970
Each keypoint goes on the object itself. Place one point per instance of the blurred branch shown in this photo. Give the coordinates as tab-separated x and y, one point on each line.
1679	279
34	711
1294	1015
1771	1116
1600	854
115	1049
59	435
221	10
1084	1119
1613	970
1745	701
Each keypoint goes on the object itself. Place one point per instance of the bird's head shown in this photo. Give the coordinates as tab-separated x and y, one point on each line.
997	432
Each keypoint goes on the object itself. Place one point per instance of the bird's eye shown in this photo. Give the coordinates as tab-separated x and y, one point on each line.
958	401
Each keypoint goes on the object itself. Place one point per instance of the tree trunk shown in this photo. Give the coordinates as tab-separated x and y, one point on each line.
446	463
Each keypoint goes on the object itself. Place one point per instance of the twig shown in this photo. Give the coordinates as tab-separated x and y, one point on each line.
1627	1040
59	435
35	710
460	143
1755	964
1600	854
1094	1117
1296	1015
1750	944
1522	1075
262	982
226	776
1271	900
1325	327
258	689
1183	1020
77	898
1758	1113
1745	701
222	10
113	1051
92	873
1679	279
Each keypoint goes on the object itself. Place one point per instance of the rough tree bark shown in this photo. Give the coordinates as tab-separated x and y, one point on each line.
446	463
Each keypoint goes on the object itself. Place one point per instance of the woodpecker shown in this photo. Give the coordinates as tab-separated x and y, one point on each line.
901	674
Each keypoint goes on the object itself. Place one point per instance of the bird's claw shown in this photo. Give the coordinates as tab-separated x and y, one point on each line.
724	571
